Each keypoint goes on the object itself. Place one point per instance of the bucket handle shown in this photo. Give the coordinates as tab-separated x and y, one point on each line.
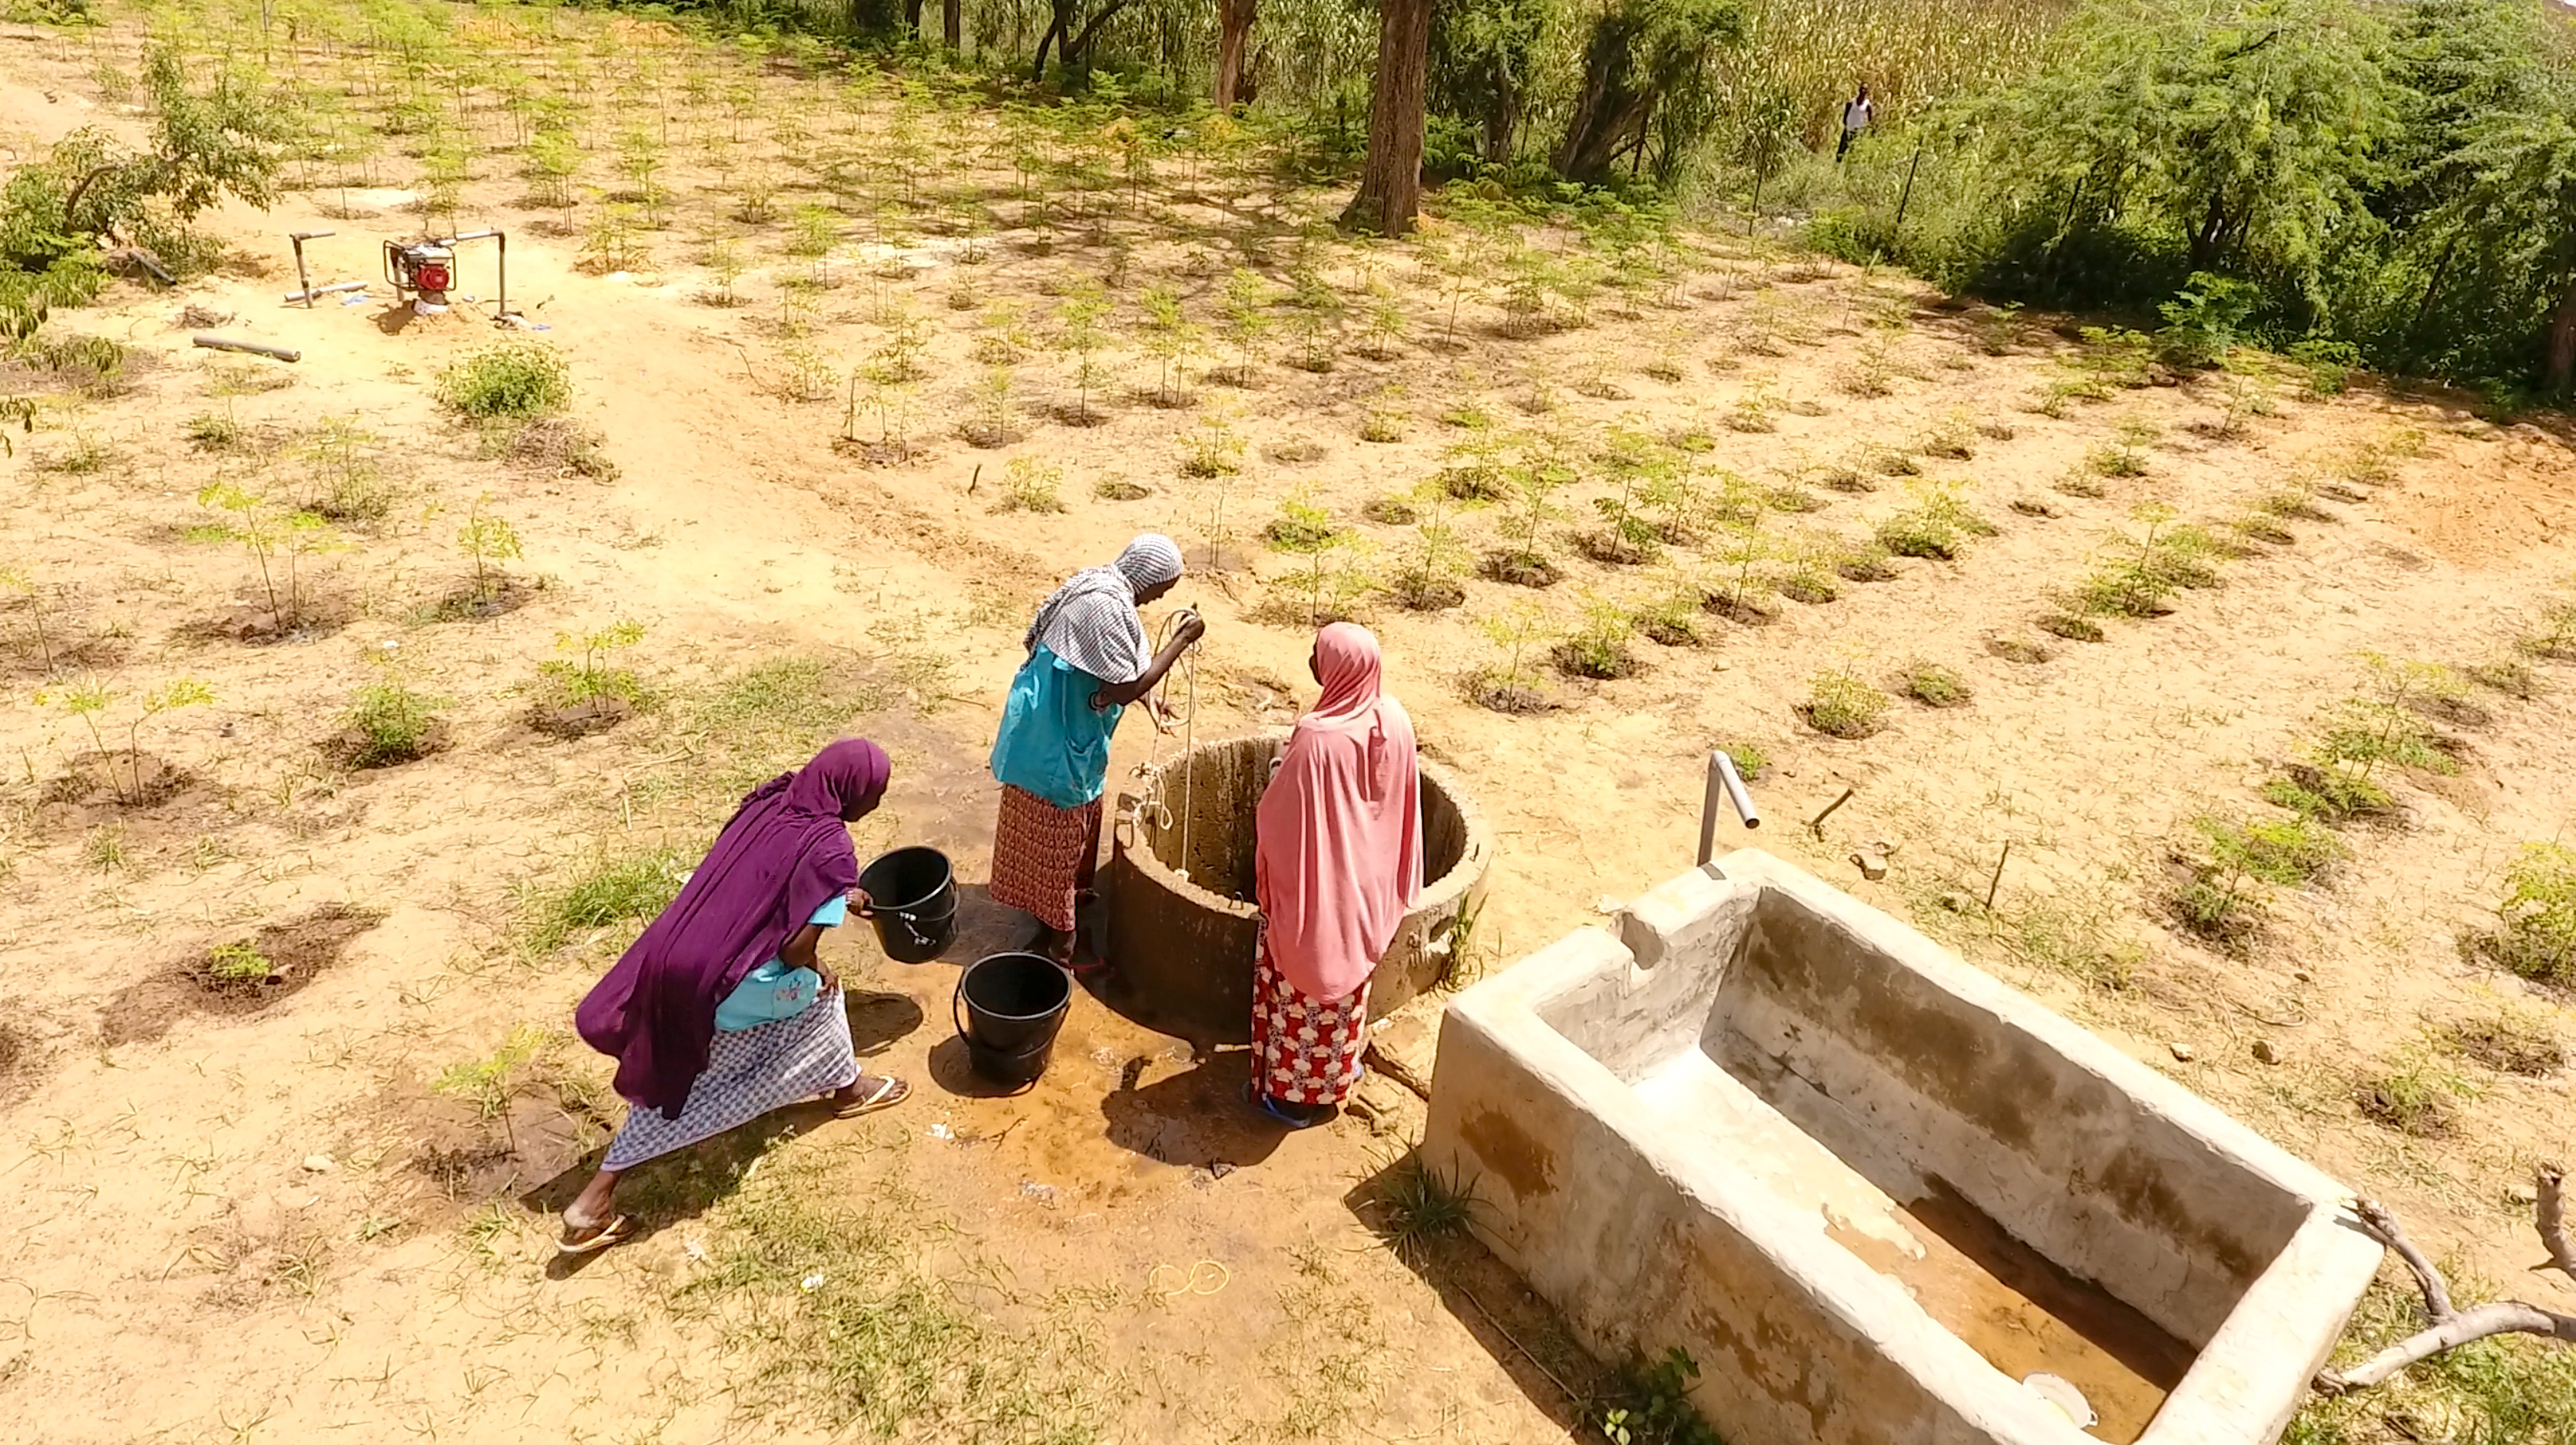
871	913
956	1001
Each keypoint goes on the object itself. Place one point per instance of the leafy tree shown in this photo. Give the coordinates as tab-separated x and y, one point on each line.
2247	134
1641	55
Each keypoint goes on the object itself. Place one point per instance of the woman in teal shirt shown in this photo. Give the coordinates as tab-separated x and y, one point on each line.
1088	659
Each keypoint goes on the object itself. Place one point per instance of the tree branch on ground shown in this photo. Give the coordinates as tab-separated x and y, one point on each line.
2452	1327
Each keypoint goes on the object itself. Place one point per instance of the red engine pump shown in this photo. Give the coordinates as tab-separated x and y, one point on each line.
422	270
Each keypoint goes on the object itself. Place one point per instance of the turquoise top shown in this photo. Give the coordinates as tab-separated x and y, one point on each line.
1053	744
774	991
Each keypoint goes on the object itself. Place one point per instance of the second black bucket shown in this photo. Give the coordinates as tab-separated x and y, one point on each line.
912	897
1008	1008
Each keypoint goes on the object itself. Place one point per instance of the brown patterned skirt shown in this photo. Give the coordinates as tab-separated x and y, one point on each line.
1043	856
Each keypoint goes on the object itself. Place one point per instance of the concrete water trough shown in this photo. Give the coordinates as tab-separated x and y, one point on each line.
1181	947
1871	1191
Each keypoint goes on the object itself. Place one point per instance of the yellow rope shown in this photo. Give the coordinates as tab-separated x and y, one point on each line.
1193	1280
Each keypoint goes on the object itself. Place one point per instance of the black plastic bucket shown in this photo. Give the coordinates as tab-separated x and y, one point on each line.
1007	1008
912	898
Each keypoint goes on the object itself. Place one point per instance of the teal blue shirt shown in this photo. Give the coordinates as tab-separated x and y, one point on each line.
1053	744
774	991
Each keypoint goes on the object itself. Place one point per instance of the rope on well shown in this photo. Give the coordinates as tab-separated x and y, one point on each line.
1159	700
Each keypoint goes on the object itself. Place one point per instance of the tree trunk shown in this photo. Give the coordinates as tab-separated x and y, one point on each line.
1390	194
1501	116
1610	109
1059	22
912	17
1234	19
2562	342
1078	50
952	22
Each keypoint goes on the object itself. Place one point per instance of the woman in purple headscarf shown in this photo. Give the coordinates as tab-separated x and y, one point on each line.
723	1010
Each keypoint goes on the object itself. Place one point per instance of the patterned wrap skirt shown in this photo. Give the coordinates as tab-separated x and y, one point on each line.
749	1072
1044	856
1304	1050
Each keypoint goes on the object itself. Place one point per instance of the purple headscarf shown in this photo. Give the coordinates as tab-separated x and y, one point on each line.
785	854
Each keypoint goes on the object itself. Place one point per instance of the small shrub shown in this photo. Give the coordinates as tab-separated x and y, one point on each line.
585	673
522	379
2299	502
1031	485
1933	685
2413	1098
208	432
1845	479
2262	528
1599	648
2555	635
1301	527
2535	934
389	723
1921	532
2019	650
238	962
1749	758
2117	461
1843	706
1891	462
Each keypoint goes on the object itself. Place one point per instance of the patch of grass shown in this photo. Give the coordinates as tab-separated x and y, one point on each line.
2298	501
2509	1040
1652	1405
841	1312
2413	1097
1392	512
1750	760
1841	705
2508	675
2554	635
524	379
208	432
2072	626
2018	650
104	849
2507	1390
2227	897
1418	1206
774	714
1119	489
2117	461
1301	527
2079	484
1846	479
609	890
1933	685
390	724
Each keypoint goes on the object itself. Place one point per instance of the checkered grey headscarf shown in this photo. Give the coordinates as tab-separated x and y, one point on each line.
1091	620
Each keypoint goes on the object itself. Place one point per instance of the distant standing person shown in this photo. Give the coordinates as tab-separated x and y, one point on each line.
723	1011
1856	115
1088	659
1336	864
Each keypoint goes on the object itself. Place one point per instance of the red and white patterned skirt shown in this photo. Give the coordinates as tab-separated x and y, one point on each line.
1304	1050
1043	856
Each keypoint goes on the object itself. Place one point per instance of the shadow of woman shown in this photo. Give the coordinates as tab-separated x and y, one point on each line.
1198	1118
685	1183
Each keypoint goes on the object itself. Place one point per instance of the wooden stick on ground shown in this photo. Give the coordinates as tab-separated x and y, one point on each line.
2551	1212
2452	1327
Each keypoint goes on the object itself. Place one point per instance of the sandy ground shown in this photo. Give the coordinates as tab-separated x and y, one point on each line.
265	1224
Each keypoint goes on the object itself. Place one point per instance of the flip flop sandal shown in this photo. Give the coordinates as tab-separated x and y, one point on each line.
607	1234
888	1094
1267	1105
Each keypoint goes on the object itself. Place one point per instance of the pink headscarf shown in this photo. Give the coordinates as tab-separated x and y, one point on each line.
1339	856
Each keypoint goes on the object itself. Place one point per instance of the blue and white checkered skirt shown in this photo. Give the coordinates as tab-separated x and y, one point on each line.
748	1073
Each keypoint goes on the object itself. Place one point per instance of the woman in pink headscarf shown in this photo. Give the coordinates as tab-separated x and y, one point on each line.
1337	863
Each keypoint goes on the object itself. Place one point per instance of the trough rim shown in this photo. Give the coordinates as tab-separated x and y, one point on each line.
1451	887
2237	1390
